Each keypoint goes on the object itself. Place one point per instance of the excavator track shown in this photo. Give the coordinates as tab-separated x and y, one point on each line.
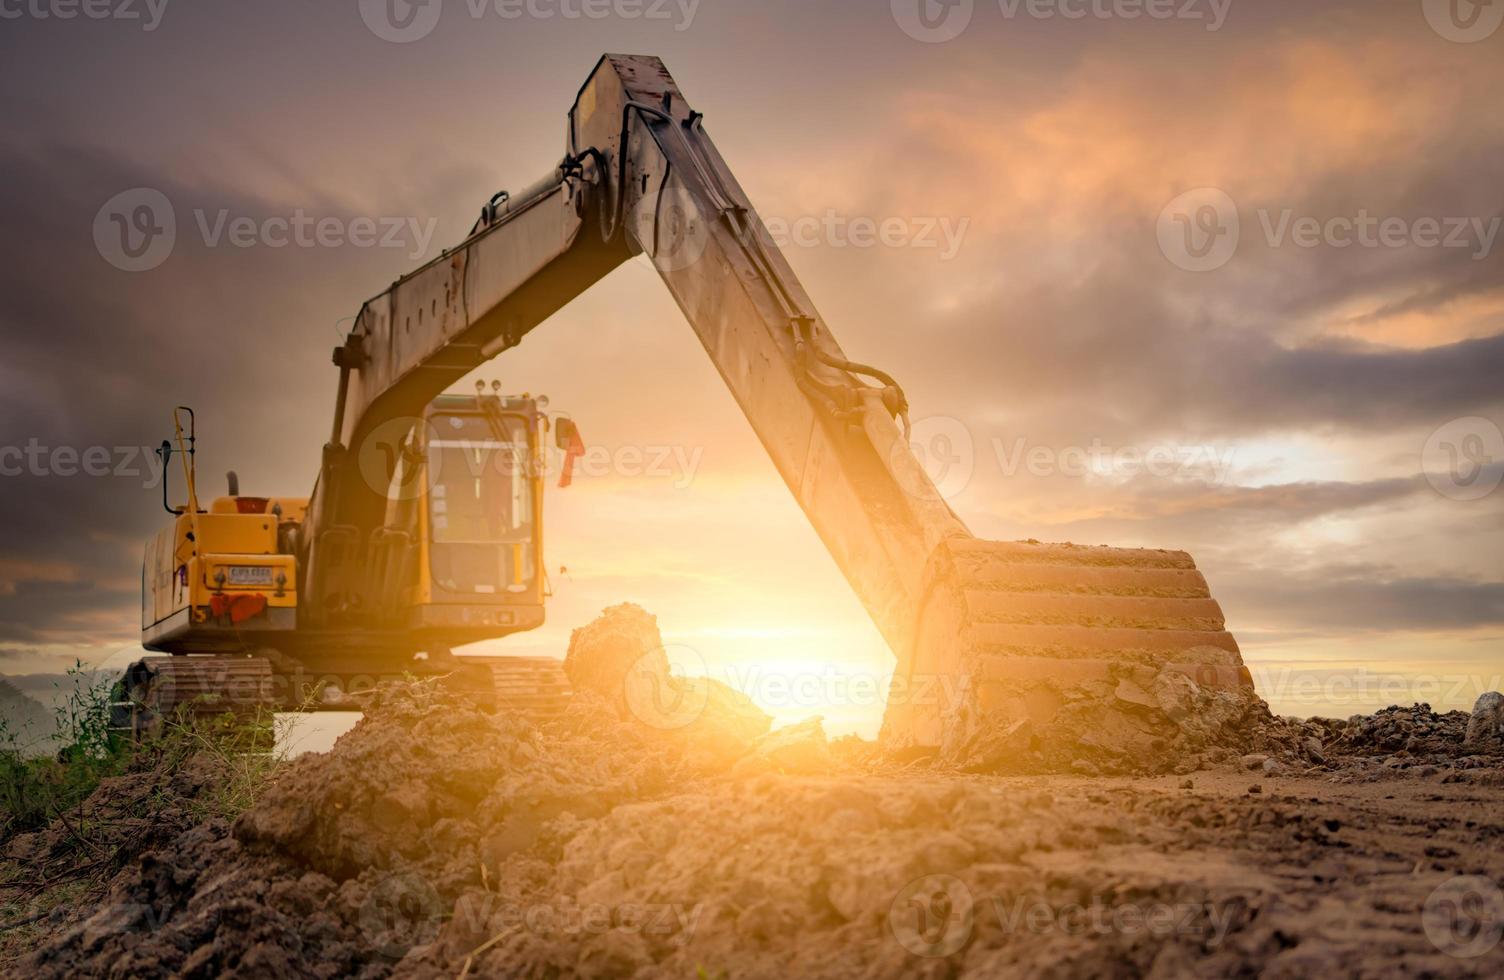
247	688
157	690
531	687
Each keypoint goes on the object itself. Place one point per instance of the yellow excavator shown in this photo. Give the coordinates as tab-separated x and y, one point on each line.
418	539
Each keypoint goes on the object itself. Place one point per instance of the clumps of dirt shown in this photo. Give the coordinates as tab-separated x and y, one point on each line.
354	857
439	840
429	820
1136	720
619	661
801	748
436	839
1416	730
1399	741
50	876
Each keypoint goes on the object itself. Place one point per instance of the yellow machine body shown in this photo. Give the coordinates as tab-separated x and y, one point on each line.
460	556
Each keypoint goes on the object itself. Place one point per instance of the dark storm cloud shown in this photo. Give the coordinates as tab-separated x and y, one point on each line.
53	612
96	358
1327	602
1112	357
1283	503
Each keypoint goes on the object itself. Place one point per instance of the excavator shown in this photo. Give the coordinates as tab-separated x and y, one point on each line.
424	529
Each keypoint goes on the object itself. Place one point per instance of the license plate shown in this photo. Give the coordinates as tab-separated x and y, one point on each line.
251	574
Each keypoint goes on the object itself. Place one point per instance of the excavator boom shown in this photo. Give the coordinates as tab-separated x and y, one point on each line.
1007	632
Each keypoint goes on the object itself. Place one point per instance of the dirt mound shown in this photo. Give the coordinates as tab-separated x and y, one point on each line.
620	659
436	839
354	857
1139	720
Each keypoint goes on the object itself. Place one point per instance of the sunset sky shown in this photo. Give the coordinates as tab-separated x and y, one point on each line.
1300	402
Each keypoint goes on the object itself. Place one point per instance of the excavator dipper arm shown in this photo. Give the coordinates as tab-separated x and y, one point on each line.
995	632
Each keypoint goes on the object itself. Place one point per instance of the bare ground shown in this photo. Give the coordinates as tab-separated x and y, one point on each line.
437	840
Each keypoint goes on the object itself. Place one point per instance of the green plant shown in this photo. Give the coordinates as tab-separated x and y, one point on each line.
34	791
83	716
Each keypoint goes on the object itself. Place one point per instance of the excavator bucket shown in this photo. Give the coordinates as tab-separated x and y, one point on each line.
1036	653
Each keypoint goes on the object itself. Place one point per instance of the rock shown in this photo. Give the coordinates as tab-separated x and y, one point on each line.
1187	784
726	715
603	652
1176	694
1255	789
993	748
619	656
1487	722
800	748
1129	692
1254	760
1085	768
1314	749
1272	767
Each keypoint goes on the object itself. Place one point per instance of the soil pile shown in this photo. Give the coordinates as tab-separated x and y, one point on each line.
438	840
1139	720
435	836
618	667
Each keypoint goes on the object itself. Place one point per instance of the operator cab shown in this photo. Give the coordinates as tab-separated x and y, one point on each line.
481	513
464	533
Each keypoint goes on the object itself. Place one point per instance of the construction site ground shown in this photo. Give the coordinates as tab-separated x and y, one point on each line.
437	840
